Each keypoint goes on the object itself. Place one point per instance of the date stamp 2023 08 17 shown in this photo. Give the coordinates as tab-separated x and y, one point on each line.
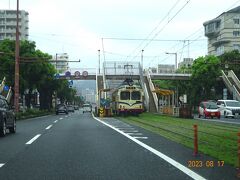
202	164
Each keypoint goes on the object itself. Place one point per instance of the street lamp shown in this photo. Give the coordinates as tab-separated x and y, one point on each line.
99	61
142	59
175	59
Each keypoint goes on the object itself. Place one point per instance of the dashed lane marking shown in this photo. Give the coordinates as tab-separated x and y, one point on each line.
48	127
56	121
60	118
33	139
171	161
139	137
1	165
130	131
136	134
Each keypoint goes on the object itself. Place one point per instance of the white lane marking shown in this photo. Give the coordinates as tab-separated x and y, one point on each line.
136	134
127	128
33	139
139	137
60	118
171	161
48	127
126	131
1	165
56	121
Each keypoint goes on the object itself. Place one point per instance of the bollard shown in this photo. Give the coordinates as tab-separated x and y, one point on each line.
195	129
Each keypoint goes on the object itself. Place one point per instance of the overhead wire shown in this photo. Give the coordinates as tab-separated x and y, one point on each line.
155	27
169	20
195	32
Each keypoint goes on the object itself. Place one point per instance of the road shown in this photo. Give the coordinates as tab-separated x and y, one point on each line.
78	146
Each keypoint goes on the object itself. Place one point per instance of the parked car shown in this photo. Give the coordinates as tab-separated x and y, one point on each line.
208	109
87	108
70	108
76	107
229	108
61	108
7	117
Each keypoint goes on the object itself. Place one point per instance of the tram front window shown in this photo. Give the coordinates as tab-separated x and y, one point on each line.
125	95
135	95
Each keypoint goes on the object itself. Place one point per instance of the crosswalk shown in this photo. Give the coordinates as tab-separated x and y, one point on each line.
125	128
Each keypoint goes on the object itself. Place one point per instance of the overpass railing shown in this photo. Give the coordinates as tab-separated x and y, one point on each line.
121	68
144	87
152	88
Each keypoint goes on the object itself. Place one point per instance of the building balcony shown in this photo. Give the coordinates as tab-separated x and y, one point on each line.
220	42
212	28
212	33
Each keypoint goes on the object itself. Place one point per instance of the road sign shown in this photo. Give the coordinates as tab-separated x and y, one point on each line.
68	74
70	83
101	111
6	88
77	74
57	76
85	73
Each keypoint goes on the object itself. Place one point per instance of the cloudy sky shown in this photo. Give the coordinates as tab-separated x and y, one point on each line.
122	28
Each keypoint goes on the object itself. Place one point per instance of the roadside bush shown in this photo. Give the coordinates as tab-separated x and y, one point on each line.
31	113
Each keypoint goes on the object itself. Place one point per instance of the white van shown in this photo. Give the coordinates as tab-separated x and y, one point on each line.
229	108
87	108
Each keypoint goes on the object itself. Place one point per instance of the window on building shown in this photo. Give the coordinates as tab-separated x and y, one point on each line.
236	33
220	50
236	21
217	25
236	47
210	27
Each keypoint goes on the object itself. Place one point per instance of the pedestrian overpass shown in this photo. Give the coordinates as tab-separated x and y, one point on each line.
112	74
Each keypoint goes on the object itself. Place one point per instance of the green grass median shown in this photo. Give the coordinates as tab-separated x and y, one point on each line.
216	139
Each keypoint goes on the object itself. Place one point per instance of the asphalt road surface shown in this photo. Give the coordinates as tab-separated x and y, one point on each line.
78	146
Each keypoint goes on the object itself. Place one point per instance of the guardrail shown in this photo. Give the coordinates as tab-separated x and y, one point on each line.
144	87
227	82
234	77
236	94
152	89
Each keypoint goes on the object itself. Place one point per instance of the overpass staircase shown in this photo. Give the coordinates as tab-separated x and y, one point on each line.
153	100
232	83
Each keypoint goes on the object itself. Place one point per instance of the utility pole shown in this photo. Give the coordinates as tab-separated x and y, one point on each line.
175	59
99	61
142	59
16	82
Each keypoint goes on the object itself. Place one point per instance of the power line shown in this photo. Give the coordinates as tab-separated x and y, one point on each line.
165	25
195	32
139	39
156	26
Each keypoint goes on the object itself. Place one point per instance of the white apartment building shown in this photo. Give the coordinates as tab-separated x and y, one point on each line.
61	61
223	32
8	24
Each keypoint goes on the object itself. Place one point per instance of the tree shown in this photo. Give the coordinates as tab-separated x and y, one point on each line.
232	59
204	80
